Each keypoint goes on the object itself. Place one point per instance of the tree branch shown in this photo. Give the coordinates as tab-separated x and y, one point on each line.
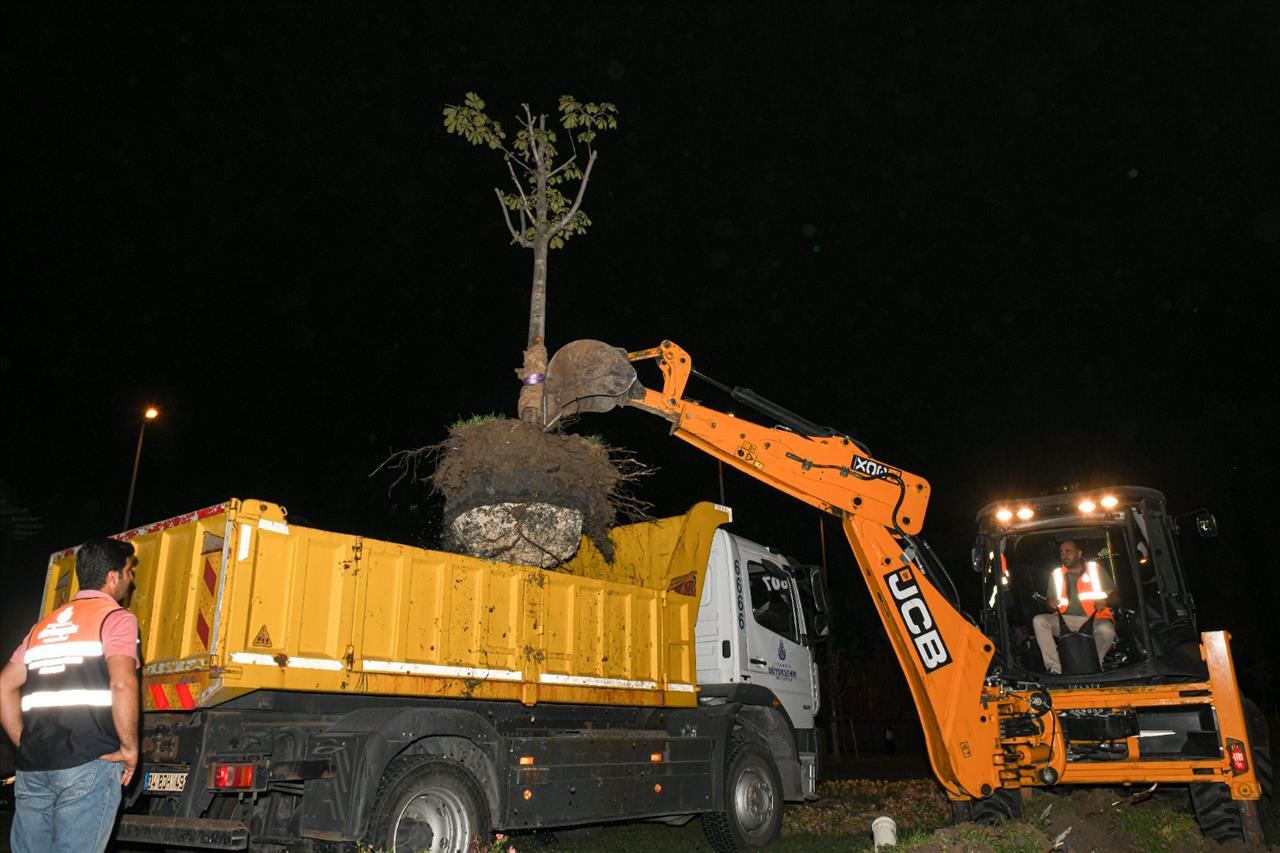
562	166
577	201
516	237
524	201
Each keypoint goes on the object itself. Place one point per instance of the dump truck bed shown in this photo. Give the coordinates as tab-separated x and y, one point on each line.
233	598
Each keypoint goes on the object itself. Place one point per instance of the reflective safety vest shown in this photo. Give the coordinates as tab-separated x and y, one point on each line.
66	700
1088	588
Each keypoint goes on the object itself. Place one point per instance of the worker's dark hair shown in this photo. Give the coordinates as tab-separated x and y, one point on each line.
99	556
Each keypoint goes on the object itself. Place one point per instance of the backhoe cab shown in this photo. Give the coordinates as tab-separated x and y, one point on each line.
1127	535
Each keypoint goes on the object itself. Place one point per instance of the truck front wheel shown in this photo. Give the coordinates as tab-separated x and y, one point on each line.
752	816
428	804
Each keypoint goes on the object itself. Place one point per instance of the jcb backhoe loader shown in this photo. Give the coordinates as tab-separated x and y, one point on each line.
1166	707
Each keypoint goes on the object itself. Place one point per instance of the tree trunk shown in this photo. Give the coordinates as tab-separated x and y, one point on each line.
532	372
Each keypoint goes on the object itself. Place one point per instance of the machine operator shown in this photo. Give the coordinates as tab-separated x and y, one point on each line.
1078	589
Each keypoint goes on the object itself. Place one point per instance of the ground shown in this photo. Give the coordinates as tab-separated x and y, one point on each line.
1083	819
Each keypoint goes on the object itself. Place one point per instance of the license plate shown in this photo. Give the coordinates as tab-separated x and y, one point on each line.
166	783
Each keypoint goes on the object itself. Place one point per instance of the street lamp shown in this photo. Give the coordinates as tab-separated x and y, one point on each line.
150	414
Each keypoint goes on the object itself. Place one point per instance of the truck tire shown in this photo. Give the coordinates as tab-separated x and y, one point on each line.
428	803
752	817
1224	819
1003	804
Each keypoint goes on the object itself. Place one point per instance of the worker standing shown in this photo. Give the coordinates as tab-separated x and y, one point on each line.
69	703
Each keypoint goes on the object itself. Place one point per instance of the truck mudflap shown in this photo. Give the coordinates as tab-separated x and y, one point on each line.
184	832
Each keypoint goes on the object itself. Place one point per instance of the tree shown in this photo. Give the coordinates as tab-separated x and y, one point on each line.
539	213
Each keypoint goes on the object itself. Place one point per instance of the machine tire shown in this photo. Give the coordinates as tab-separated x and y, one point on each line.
1260	742
1224	819
1003	805
752	816
422	798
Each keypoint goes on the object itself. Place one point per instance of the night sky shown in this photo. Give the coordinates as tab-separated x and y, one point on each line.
1010	249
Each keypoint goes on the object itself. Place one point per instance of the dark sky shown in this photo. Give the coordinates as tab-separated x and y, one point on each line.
1008	248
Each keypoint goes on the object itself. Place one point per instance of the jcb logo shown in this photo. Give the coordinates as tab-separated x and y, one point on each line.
918	620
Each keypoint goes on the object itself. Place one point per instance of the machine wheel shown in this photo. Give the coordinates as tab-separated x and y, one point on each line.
428	803
752	817
1004	804
1224	819
1260	741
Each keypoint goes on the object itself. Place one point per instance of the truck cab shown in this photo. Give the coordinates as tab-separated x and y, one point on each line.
758	619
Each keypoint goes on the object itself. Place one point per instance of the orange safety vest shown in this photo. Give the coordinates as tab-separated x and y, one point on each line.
1088	588
66	700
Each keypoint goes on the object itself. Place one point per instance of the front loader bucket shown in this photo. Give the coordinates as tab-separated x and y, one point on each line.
587	376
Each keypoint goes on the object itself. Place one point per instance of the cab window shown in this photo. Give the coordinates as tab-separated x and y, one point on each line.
771	599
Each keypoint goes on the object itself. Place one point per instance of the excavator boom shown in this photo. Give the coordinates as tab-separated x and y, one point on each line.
944	656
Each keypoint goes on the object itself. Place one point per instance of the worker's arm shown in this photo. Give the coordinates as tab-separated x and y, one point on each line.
12	678
124	712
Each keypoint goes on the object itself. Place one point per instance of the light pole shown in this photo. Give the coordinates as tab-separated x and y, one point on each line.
150	414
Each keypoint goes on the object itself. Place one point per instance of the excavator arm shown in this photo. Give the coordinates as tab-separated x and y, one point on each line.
980	735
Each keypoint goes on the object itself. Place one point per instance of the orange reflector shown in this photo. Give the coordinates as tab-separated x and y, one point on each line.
655	756
528	795
657	788
526	760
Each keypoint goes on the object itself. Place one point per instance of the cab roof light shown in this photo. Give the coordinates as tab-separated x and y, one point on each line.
1087	505
1026	513
1004	514
1109	502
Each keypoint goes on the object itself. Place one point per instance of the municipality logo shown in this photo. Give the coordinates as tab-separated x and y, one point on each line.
65	616
782	651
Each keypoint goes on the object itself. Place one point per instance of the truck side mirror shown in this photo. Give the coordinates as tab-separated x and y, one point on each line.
813	602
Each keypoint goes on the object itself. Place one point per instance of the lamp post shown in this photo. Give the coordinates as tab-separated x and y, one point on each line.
150	414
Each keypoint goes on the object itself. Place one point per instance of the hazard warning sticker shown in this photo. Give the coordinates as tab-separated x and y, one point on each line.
263	639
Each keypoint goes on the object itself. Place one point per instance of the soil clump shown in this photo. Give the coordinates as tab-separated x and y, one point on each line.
516	493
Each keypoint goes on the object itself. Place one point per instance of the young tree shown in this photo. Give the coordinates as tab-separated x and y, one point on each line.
538	211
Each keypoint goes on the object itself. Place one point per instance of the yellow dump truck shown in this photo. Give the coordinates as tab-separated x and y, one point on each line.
304	689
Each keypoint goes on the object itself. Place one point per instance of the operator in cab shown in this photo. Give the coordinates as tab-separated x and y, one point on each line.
1078	589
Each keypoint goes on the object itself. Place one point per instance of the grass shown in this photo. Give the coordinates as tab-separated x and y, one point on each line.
1159	829
476	420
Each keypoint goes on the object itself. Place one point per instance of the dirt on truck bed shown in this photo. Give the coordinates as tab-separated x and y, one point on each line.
515	462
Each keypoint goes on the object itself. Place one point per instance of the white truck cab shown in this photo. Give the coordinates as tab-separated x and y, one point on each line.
759	616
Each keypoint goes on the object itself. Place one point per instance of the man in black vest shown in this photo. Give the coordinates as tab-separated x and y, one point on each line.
69	702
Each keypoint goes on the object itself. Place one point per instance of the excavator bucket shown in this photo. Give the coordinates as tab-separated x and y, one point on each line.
587	376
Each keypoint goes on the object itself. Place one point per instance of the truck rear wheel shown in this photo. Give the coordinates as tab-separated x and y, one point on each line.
752	816
428	804
1224	819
